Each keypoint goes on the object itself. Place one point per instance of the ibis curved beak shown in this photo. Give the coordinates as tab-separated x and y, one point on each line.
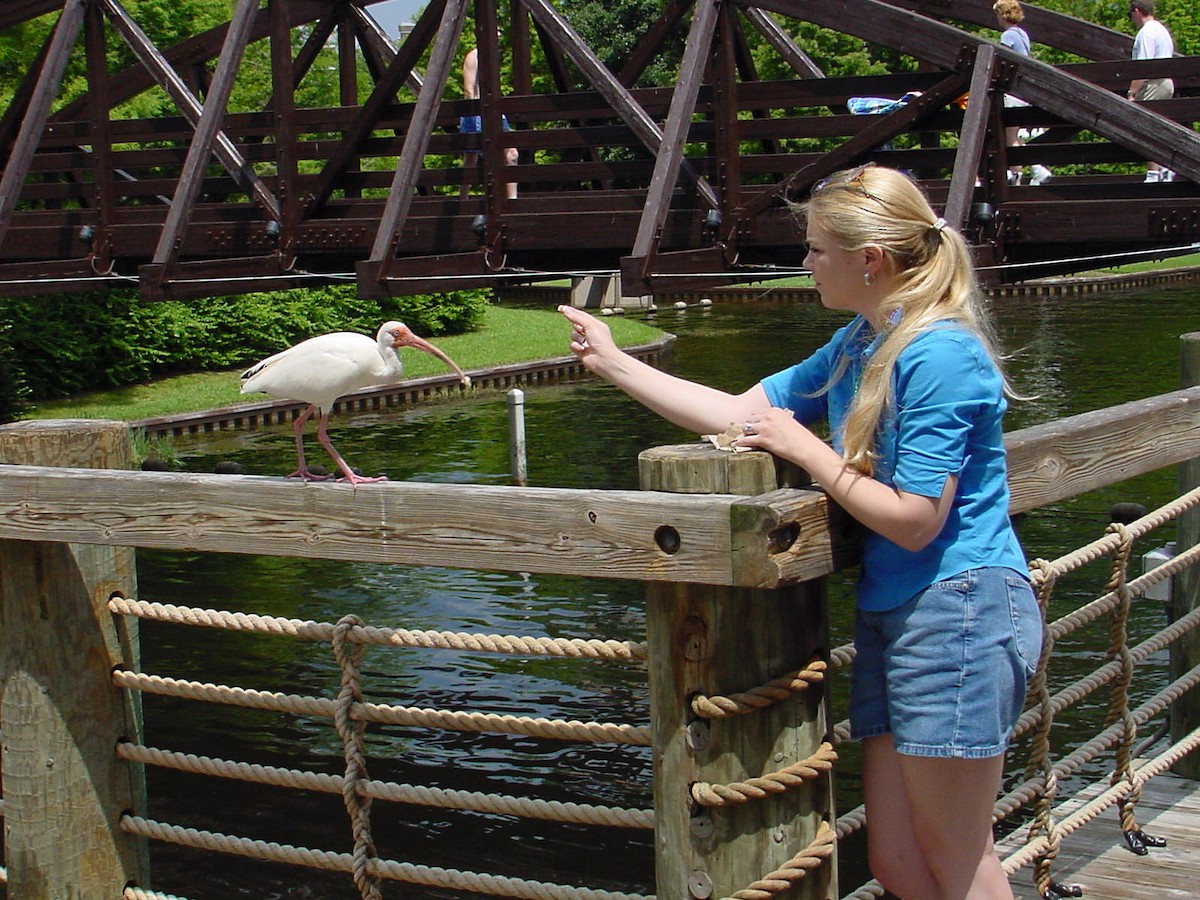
419	343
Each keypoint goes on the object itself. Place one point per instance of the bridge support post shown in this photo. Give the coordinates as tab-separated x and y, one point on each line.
720	642
1185	596
60	716
595	291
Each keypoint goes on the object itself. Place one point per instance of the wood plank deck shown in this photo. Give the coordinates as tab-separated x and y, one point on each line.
1096	858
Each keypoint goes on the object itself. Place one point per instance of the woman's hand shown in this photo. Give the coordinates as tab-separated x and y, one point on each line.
778	432
591	339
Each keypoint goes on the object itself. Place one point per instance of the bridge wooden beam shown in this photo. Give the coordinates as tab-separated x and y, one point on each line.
191	108
207	135
791	53
66	31
617	95
972	138
104	194
382	95
670	155
416	140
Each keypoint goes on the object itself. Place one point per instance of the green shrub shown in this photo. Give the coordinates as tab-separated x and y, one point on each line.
62	344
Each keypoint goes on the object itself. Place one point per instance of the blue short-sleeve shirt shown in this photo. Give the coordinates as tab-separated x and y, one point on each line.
946	420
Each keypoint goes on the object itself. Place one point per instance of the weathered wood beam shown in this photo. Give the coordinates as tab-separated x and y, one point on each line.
382	96
1057	460
1054	29
603	534
724	539
416	139
971	139
170	81
208	131
617	95
66	31
791	53
670	155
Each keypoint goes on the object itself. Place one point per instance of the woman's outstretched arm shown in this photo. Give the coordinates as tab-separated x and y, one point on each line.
696	407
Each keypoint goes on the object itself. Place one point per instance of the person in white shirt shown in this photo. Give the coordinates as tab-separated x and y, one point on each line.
1153	41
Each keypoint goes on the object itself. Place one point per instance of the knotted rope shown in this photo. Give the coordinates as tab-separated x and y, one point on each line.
1043	578
358	805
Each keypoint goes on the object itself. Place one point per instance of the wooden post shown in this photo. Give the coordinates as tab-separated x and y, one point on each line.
717	641
1185	594
60	716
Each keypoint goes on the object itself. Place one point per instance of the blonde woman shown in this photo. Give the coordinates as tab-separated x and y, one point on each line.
947	628
1009	17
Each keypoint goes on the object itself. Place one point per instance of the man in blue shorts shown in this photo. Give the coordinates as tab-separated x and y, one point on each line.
474	124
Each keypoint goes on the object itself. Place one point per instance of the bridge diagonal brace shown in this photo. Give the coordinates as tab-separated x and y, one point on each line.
971	139
551	22
401	66
679	118
207	133
416	141
787	48
66	31
378	49
189	105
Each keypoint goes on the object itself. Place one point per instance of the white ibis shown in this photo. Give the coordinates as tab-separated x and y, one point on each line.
323	368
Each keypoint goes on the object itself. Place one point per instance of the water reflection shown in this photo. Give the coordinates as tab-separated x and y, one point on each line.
1070	355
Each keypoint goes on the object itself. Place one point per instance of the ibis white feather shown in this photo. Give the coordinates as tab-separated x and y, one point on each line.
321	369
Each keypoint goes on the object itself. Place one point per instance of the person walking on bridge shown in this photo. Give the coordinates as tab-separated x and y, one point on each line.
1153	41
474	124
1009	16
948	631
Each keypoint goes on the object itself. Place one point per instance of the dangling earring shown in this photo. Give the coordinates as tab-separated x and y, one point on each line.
868	279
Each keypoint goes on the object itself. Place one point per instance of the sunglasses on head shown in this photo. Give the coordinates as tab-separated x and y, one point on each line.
849	178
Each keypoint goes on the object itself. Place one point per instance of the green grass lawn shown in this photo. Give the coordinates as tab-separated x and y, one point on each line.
505	336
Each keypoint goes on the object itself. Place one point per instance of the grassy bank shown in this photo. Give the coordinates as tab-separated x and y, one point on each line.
506	336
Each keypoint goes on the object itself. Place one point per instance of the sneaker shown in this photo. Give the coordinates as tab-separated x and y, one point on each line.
1167	174
1153	176
1040	175
1014	178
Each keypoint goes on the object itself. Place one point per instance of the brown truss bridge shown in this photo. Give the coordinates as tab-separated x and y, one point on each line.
675	187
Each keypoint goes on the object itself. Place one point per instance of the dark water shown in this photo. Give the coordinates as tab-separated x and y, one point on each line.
1074	355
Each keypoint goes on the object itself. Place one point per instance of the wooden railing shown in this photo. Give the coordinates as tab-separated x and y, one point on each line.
733	548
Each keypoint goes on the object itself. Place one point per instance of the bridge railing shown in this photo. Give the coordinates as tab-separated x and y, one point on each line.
578	158
733	550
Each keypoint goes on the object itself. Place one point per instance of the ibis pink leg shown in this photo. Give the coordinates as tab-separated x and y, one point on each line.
347	472
302	469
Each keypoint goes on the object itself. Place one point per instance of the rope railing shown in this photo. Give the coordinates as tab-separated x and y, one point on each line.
382	713
350	712
430	876
422	795
306	629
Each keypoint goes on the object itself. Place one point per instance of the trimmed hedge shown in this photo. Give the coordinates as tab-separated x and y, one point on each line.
62	344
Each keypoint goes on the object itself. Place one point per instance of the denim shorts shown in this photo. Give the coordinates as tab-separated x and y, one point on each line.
945	674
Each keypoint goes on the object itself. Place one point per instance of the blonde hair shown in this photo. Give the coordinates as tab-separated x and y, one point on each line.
1009	10
935	282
